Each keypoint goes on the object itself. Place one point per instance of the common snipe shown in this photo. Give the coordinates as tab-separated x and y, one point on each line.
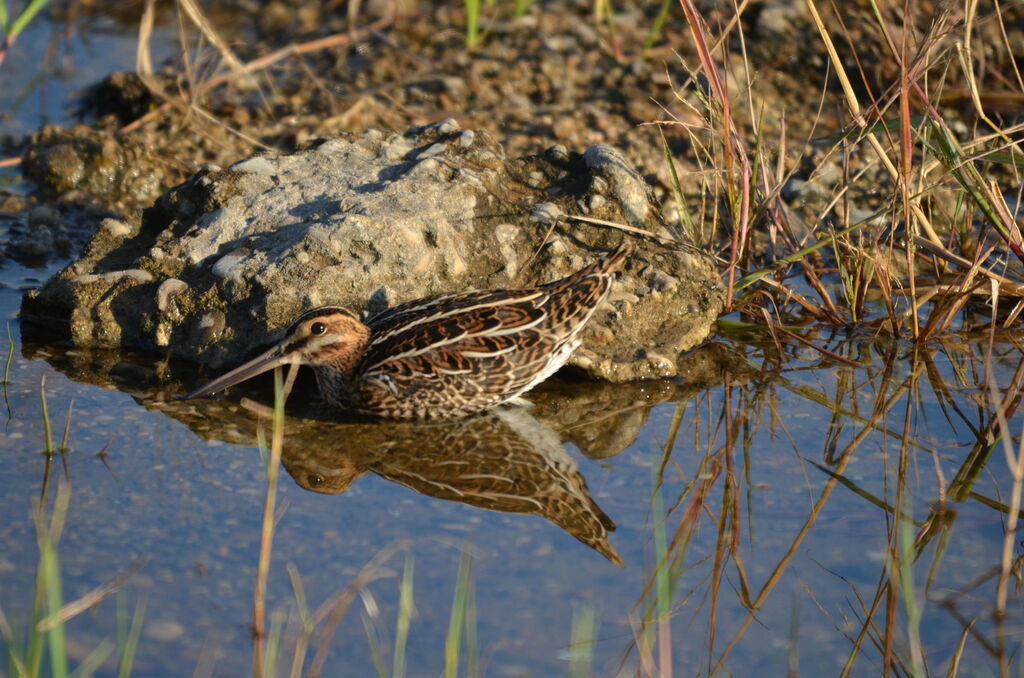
445	356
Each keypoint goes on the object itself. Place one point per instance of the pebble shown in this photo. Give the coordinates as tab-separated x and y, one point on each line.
168	289
435	150
546	213
116	228
256	165
228	266
211	325
164	630
136	274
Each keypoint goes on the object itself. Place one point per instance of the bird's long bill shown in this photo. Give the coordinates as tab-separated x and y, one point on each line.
258	365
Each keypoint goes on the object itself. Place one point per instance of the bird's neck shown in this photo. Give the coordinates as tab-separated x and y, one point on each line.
335	384
336	376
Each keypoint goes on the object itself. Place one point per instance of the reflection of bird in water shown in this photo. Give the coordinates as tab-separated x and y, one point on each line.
502	461
447	356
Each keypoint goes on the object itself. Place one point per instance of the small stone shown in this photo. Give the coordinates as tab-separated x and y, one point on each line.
167	290
379	301
211	326
228	266
546	213
435	150
660	280
164	630
43	215
448	126
137	274
792	189
564	127
256	165
466	138
116	228
558	152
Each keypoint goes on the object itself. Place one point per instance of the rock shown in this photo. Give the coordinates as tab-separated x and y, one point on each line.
114	172
222	263
123	95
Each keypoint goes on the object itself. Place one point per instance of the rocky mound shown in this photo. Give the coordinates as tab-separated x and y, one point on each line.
221	264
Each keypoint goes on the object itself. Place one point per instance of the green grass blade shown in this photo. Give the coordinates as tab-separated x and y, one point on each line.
7	365
472	23
581	649
373	640
273	644
46	416
654	34
472	656
405	608
36	641
685	220
49	564
94	660
26	15
1002	158
453	640
10	356
748	280
131	642
15	662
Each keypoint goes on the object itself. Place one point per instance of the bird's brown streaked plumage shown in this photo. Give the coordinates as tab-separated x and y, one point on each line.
444	356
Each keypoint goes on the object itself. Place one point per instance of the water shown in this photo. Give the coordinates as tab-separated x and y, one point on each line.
57	57
803	454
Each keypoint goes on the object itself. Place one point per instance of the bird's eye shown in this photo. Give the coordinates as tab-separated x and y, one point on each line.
315	480
318	328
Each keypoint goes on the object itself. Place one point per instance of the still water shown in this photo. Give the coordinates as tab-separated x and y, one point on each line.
769	484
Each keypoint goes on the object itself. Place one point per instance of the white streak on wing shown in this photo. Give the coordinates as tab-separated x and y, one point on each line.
488	476
514	330
450	312
489	354
385	381
441	370
495	496
454	340
431	483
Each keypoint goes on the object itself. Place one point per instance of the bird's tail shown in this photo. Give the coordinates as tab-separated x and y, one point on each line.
606	265
613	260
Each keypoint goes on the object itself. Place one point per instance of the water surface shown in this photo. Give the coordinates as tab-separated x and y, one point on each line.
776	485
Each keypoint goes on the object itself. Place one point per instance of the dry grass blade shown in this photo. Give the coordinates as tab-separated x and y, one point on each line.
206	28
70	610
143	51
1008	286
267	528
821	349
265	62
333	610
954	663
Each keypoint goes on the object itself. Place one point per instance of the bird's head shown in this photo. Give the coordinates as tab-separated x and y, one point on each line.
329	337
